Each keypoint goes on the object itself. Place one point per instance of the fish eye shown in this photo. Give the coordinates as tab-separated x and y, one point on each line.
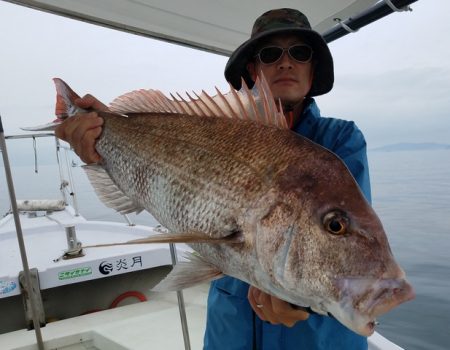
336	223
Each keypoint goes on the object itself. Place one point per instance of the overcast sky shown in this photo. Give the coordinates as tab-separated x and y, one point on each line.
392	77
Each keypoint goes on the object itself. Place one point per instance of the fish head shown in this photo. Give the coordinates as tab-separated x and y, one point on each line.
323	246
363	279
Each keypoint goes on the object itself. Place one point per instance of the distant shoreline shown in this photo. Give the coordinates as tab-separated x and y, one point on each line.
426	146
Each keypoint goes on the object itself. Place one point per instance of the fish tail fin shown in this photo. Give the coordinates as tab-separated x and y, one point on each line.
65	100
65	106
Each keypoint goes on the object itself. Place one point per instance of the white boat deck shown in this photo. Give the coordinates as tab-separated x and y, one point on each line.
151	325
154	324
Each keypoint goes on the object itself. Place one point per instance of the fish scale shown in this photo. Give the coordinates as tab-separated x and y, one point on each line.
201	177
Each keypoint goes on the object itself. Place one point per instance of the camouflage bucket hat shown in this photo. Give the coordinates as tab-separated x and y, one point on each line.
283	21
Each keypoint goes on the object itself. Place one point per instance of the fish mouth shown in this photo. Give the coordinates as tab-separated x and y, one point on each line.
357	322
391	293
369	328
363	300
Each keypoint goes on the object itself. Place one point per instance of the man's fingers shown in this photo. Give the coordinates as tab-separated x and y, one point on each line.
82	123
81	131
274	310
60	132
286	314
84	145
253	294
65	130
262	305
267	308
90	155
285	309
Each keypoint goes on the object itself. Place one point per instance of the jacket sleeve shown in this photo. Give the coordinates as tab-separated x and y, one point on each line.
350	146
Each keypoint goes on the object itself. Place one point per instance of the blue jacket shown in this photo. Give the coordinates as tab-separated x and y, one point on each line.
231	322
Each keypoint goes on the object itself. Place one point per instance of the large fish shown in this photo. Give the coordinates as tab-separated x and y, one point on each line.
254	200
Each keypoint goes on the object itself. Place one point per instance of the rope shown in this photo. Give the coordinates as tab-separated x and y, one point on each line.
35	155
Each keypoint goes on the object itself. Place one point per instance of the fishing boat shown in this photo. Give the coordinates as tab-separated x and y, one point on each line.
60	271
43	277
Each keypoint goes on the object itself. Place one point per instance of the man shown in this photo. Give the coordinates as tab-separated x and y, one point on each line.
297	65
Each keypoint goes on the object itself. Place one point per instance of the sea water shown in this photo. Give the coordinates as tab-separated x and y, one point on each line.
411	194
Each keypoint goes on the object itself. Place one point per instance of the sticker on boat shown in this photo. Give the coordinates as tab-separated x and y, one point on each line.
7	286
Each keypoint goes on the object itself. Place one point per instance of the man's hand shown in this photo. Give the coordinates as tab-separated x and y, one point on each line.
82	130
274	310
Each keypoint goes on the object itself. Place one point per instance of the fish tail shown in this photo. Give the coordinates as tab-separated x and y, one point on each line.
65	106
65	100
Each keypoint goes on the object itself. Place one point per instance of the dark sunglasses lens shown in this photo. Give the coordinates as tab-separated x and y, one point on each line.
300	53
270	54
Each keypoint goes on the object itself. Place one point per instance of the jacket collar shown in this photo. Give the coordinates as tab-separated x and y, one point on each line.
308	118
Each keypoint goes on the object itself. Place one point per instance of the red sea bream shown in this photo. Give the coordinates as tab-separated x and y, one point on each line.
254	200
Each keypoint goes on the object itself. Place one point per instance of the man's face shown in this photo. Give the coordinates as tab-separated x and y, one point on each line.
288	79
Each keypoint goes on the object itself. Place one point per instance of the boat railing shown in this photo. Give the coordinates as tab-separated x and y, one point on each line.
66	179
64	160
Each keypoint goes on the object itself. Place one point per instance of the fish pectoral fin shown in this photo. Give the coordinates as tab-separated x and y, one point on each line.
189	237
185	274
235	238
108	192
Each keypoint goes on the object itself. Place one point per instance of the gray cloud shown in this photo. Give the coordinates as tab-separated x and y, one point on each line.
392	77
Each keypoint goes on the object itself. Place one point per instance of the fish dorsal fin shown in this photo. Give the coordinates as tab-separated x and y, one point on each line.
256	104
141	101
108	192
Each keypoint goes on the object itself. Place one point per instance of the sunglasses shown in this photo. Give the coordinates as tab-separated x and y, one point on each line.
271	54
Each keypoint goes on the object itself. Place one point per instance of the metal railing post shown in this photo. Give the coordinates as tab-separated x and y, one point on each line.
23	254
181	306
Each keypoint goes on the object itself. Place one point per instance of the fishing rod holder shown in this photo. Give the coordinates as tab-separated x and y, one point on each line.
345	26
31	294
397	9
74	248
